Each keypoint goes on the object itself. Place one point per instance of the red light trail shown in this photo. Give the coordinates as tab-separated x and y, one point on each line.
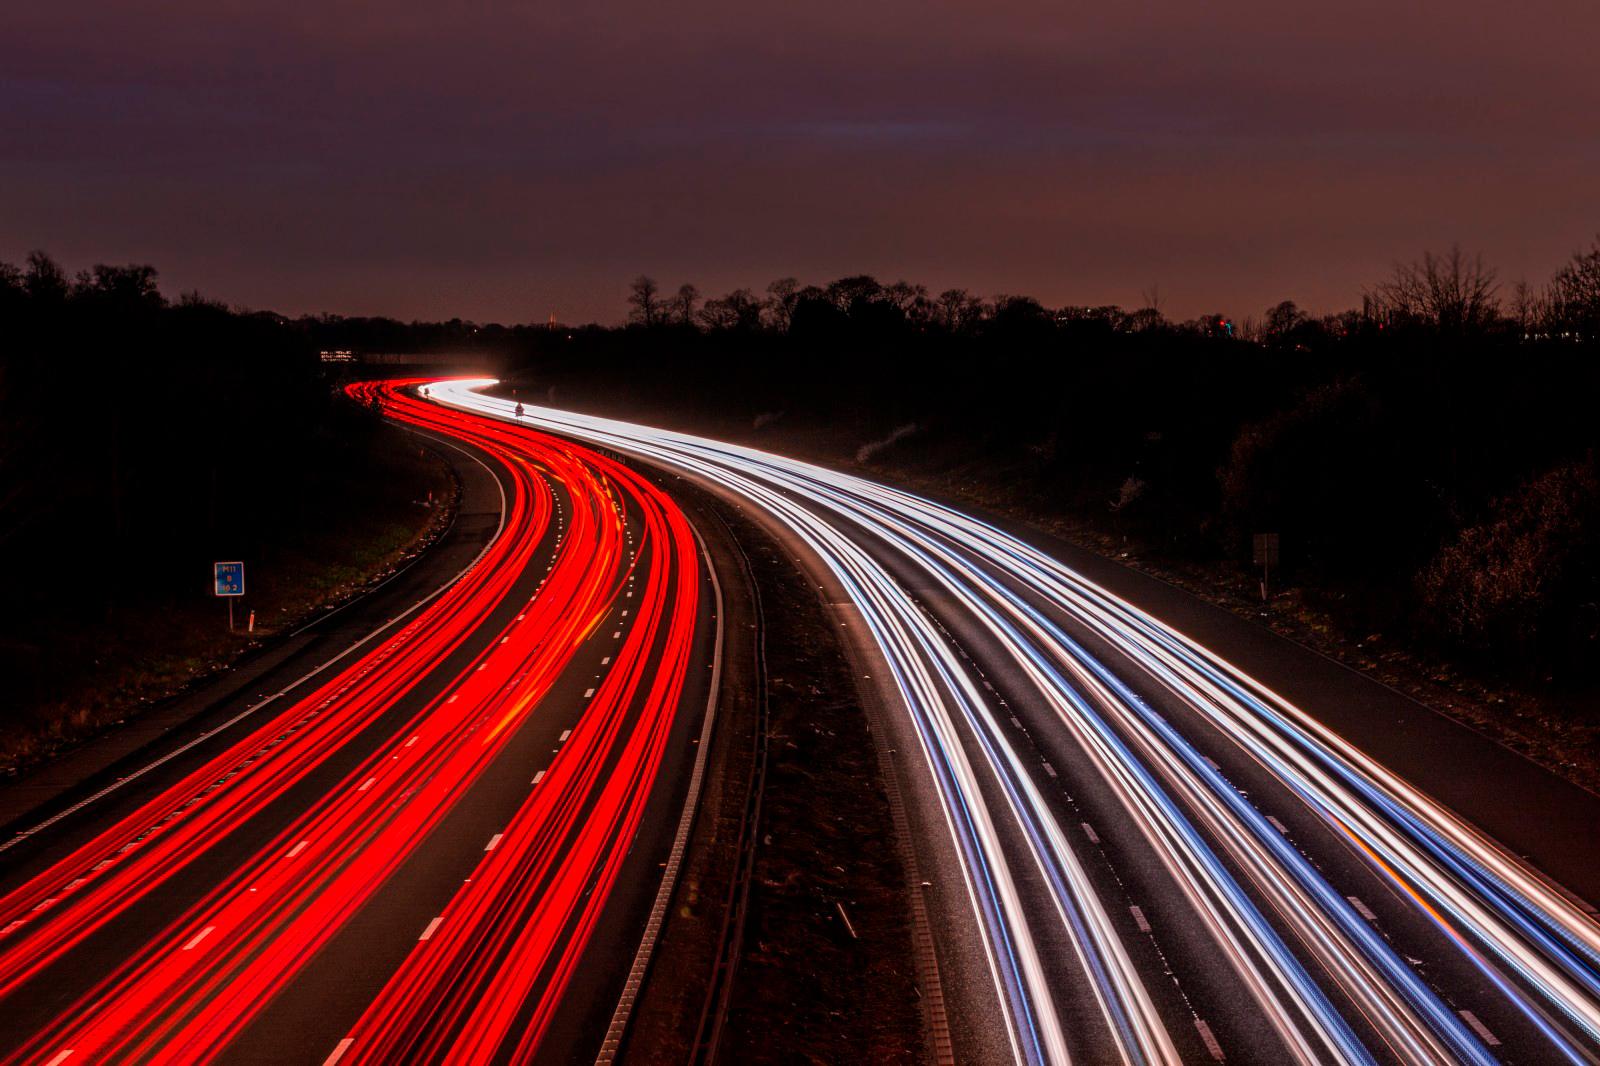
486	976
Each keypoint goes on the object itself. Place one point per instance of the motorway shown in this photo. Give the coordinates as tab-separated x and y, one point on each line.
441	842
1134	852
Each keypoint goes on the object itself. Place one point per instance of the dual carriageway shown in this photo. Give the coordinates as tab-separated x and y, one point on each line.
1134	851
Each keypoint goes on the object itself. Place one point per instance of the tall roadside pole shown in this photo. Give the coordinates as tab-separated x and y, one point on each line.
229	583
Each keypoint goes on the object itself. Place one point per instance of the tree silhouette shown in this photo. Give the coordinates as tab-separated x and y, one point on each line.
782	295
1282	319
1448	293
738	310
958	311
1575	294
645	298
682	308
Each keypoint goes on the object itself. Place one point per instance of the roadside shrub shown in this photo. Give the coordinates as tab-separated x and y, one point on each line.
1521	588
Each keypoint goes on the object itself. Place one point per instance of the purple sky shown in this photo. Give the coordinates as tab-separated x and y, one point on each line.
500	160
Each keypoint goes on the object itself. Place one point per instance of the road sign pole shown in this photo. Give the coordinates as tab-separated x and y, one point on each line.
228	579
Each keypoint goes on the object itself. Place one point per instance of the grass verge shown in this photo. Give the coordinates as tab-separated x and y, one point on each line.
73	674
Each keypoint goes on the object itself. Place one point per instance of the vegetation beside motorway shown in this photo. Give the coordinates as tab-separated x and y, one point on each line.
1430	460
140	442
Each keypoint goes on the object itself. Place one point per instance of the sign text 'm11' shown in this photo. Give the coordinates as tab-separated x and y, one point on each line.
230	579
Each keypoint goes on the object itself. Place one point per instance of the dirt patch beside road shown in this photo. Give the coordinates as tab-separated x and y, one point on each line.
826	971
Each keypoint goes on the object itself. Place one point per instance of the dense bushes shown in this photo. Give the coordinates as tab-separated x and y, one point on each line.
1523	585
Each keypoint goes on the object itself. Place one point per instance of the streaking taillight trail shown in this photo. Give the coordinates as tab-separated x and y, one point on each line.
621	556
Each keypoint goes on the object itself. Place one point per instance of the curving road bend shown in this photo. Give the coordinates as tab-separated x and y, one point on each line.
426	851
1142	854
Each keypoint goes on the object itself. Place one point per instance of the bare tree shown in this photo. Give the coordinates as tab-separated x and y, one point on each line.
738	310
1530	308
846	291
783	295
44	281
1283	318
1146	318
958	311
1449	293
1152	299
646	300
1575	293
682	309
134	283
905	296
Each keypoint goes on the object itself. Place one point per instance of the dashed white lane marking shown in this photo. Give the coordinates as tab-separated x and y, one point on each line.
565	733
59	1059
1361	909
1139	919
370	782
538	776
1094	838
298	848
493	841
426	933
338	1052
201	935
410	742
617	634
1209	1039
1479	1028
456	695
1051	770
1211	762
1015	722
1279	826
586	695
606	661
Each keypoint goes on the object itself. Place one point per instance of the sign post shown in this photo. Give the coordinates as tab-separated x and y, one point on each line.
230	583
1266	554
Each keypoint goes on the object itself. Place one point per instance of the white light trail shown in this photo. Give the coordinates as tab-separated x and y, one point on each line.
1532	944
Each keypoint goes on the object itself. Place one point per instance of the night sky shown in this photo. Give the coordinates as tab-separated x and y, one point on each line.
497	161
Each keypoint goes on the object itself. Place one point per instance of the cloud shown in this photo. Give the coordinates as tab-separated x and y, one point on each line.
395	155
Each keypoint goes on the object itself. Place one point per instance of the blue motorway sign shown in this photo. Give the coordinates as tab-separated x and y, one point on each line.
230	579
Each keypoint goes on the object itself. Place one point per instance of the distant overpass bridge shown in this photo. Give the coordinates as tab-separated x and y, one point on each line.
456	362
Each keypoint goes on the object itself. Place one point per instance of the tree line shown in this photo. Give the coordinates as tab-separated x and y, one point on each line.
1447	293
146	433
1429	458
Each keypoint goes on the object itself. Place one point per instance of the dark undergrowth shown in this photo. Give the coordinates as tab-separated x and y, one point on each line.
74	671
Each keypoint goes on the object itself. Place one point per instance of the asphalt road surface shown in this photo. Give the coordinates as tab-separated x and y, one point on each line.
1134	849
432	828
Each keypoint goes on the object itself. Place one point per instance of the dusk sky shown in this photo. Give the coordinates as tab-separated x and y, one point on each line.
497	161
